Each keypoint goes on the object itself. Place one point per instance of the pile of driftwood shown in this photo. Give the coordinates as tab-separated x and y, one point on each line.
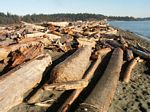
24	61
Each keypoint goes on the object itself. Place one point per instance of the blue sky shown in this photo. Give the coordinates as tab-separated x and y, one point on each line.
136	8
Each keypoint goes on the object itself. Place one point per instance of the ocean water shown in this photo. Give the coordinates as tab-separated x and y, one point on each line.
141	28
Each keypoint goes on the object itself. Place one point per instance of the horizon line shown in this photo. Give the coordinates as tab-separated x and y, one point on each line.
69	13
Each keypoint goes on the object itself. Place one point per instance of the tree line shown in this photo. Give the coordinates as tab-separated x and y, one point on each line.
36	18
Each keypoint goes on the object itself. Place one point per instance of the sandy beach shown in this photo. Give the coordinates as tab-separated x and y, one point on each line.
131	97
135	96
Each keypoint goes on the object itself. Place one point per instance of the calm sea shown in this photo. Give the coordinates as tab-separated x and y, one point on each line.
141	28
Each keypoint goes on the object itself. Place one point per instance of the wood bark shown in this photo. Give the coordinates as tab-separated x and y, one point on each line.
18	81
73	68
101	97
22	44
27	54
129	69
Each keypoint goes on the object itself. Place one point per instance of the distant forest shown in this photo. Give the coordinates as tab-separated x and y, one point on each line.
36	18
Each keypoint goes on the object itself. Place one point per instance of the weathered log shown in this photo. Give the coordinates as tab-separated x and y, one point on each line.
101	97
33	26
114	43
17	82
73	84
100	52
129	69
77	92
140	53
27	54
73	67
62	24
129	54
33	35
143	48
103	51
85	41
66	85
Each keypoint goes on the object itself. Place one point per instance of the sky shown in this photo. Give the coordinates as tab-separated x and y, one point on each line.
135	8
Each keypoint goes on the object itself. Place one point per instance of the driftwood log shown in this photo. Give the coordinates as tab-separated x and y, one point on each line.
129	69
68	74
140	53
143	48
27	54
80	84
84	41
76	93
65	107
73	68
66	85
17	82
129	54
33	26
101	97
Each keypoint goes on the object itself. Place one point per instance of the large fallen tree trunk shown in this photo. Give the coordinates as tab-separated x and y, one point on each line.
65	107
17	82
80	85
73	68
101	97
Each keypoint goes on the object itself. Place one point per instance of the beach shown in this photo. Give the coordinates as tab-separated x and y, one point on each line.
129	97
135	96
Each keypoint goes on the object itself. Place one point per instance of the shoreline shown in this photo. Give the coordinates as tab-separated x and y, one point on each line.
134	97
129	29
143	37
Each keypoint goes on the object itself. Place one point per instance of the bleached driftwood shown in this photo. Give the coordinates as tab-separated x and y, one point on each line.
17	82
33	26
73	67
66	85
63	24
77	92
101	97
87	77
85	41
